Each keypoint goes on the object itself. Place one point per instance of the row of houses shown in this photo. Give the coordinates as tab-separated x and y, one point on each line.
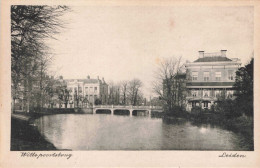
206	79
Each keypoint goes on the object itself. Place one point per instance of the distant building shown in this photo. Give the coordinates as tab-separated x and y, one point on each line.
210	77
87	91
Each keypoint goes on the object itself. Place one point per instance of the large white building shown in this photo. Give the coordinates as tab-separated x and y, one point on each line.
87	91
210	77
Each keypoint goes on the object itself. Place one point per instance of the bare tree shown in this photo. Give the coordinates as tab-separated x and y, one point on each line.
124	87
168	85
114	93
30	26
134	91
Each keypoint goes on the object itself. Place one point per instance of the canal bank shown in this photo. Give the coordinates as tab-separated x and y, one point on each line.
25	135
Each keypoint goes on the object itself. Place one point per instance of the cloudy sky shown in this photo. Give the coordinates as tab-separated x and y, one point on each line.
122	43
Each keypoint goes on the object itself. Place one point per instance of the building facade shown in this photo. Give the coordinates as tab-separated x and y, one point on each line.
210	78
87	92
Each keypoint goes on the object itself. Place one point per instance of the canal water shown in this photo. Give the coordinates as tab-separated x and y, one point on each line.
116	132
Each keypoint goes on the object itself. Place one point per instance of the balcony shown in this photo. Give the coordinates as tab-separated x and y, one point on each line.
190	84
209	98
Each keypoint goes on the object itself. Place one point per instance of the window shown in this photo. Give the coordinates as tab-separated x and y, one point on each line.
91	89
86	89
206	104
193	104
70	97
205	93
95	89
80	89
194	76
217	93
194	93
218	76
206	76
230	93
230	75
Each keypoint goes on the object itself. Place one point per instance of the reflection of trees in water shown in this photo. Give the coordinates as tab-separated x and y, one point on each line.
241	141
175	121
84	132
140	112
245	140
52	126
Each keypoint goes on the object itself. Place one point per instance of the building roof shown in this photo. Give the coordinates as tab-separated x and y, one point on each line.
213	59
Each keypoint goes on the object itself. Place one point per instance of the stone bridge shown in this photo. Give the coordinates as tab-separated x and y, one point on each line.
112	108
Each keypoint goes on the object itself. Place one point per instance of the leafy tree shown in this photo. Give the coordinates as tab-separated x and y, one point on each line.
226	108
244	86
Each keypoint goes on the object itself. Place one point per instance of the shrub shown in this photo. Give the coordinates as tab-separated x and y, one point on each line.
196	110
227	109
177	111
98	102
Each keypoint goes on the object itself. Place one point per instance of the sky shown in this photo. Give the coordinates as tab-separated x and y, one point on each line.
122	43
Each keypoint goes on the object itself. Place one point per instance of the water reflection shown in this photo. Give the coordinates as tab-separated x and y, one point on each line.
107	132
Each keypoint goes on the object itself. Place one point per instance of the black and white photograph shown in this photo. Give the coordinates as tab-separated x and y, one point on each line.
129	83
132	78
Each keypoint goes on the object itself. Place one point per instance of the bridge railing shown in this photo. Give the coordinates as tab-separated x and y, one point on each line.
129	107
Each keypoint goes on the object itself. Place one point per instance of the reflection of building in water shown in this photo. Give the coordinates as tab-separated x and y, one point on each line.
210	77
87	91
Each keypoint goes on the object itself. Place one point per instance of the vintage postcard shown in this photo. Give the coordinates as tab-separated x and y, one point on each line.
129	84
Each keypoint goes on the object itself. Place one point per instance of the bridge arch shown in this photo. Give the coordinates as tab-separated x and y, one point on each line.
133	110
121	112
141	112
103	111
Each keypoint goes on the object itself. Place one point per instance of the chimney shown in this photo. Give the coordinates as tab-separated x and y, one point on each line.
201	54
223	53
88	77
103	80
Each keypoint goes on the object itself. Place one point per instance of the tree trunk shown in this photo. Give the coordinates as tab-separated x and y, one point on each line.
13	105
